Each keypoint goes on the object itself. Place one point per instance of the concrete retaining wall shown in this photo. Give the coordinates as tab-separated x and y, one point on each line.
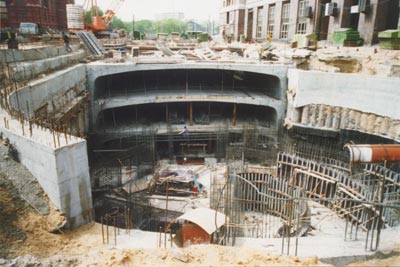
28	70
63	174
368	94
43	91
334	101
11	56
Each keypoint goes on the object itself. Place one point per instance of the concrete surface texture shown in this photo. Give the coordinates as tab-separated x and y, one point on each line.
61	167
364	93
96	70
26	53
42	91
28	70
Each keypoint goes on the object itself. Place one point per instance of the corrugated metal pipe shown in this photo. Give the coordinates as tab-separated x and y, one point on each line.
373	153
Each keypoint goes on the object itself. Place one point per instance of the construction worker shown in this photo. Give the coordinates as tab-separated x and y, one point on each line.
269	38
66	41
184	132
196	185
12	42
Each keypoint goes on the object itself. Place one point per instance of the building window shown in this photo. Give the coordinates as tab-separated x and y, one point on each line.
229	2
271	13
285	11
302	28
260	16
270	31
303	5
284	31
271	21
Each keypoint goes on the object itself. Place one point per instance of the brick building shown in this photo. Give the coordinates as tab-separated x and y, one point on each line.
48	13
281	19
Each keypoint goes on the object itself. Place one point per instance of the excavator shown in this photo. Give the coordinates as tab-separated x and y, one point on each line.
100	23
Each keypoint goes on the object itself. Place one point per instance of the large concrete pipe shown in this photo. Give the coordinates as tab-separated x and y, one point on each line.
373	153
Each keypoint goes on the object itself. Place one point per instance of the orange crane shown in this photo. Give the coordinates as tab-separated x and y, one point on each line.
100	23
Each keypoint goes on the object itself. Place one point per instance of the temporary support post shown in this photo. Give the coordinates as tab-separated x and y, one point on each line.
166	215
234	114
135	114
191	113
381	198
166	113
187	83
113	114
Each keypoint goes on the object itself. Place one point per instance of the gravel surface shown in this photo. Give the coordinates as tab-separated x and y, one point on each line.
23	181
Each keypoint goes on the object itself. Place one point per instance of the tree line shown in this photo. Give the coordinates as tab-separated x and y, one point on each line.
145	26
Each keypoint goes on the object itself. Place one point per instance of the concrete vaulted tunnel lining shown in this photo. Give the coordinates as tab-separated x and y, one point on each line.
182	113
181	80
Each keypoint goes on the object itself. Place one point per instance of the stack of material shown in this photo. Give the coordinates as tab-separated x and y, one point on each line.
389	39
205	54
178	183
75	17
346	37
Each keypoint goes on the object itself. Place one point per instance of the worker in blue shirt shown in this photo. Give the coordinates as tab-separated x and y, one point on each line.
196	182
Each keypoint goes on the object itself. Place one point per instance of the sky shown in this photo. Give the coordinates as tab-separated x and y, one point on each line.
147	9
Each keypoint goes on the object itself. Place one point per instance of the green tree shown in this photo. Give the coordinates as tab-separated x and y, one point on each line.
117	24
170	25
146	26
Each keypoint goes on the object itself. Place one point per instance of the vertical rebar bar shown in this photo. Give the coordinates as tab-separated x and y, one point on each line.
115	231
107	228
166	214
102	229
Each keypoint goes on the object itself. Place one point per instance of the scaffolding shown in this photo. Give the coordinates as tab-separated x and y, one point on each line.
261	205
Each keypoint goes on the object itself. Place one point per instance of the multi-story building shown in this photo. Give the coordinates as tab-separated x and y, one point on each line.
47	13
281	19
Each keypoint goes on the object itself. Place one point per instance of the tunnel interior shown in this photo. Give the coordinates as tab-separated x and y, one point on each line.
186	113
180	81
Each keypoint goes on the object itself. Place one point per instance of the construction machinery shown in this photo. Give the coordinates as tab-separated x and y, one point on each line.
99	22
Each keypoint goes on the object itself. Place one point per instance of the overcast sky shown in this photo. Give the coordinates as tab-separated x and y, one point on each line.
147	9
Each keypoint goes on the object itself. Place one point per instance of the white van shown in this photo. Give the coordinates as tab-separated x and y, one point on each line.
28	28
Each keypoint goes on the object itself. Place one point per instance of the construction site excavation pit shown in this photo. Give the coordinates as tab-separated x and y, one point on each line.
193	153
166	142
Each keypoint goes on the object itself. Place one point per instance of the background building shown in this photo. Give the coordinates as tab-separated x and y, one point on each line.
48	13
281	19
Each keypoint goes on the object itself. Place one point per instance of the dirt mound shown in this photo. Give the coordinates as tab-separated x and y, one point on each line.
26	216
11	207
24	182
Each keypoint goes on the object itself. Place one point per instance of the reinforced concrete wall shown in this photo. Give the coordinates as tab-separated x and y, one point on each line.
40	92
25	71
370	94
62	170
96	70
63	174
11	56
335	101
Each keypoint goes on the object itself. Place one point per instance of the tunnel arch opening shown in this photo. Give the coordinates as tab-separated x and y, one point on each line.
187	81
